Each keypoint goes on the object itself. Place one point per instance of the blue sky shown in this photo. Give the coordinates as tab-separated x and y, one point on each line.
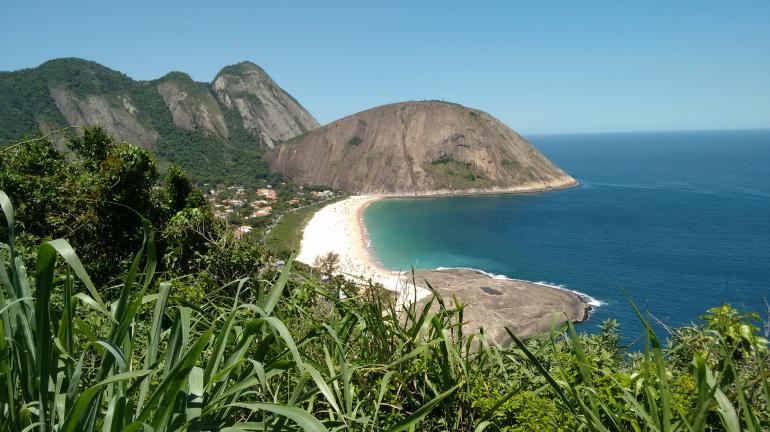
539	66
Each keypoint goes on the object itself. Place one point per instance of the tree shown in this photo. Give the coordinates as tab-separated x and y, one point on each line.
182	192
328	264
97	200
93	146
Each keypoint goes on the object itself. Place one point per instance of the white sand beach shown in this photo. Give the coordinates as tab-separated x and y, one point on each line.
339	228
493	303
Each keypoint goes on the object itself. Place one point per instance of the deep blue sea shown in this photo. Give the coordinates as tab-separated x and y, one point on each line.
678	222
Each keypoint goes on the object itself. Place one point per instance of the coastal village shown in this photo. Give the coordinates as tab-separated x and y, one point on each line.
248	210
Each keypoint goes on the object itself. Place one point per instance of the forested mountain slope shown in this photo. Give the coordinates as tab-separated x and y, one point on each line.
215	131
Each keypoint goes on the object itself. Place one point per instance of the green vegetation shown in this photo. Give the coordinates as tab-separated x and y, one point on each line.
455	104
239	68
356	140
510	164
95	198
187	374
200	331
444	159
27	107
454	174
293	139
515	168
286	235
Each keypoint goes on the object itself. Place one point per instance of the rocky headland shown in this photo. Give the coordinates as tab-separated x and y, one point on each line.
416	149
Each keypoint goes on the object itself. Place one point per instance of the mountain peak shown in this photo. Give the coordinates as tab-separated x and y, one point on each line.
204	127
176	76
267	110
243	68
71	62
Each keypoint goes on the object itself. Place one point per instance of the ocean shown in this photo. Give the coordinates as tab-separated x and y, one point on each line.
677	222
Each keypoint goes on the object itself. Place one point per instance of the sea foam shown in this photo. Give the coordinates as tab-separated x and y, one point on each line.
594	303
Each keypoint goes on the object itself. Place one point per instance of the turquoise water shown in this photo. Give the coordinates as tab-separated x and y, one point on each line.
678	222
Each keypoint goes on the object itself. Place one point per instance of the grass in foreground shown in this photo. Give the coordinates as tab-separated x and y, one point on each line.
282	352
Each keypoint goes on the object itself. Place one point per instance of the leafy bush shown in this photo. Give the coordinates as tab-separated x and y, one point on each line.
443	160
94	197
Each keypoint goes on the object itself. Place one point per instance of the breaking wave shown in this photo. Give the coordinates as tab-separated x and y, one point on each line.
594	303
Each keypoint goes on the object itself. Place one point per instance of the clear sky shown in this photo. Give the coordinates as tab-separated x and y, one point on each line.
539	66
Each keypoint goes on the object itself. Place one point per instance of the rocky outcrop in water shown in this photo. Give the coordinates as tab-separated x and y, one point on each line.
494	304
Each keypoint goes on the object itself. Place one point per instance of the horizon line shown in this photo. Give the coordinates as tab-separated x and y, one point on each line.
640	131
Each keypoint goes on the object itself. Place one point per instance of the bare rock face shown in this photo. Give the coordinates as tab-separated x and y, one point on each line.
525	308
118	119
264	107
192	106
417	148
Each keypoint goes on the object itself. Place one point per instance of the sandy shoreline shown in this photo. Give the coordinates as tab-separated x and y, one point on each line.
529	188
526	307
339	228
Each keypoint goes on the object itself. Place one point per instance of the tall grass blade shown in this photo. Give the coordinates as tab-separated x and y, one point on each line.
539	366
727	412
155	332
416	417
275	293
661	373
84	402
167	389
304	420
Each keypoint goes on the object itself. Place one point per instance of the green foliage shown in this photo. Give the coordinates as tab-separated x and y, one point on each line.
182	193
239	68
93	147
510	164
451	173
355	140
27	106
655	393
130	173
293	139
443	160
738	330
213	160
230	259
225	339
98	379
187	236
95	200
